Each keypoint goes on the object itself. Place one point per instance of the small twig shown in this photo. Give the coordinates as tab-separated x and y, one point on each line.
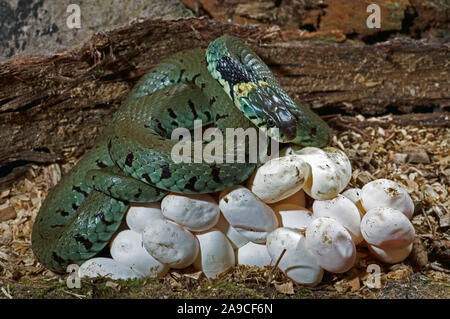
74	294
434	266
341	122
369	156
428	222
275	267
6	293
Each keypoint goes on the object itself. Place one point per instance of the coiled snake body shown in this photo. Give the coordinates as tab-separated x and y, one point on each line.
227	85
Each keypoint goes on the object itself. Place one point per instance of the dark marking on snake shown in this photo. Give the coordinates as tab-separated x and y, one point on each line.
99	162
86	243
181	75
218	116
165	171
208	116
138	194
192	107
109	189
79	190
215	174
64	213
191	183
101	215
58	259
147	178
195	77
211	102
75	206
129	159
232	72
171	113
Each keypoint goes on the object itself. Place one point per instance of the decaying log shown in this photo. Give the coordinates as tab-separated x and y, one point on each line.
52	106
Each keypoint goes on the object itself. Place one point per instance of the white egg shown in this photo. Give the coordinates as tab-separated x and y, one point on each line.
298	263
235	238
296	199
386	193
342	210
279	178
106	267
216	253
331	244
391	256
139	216
330	170
293	216
127	248
170	243
247	214
387	228
253	254
196	212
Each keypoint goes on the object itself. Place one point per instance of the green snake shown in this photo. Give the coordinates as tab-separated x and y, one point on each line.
226	85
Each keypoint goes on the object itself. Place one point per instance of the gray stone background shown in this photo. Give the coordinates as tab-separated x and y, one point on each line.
30	27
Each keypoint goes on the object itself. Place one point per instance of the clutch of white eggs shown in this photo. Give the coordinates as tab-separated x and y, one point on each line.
265	223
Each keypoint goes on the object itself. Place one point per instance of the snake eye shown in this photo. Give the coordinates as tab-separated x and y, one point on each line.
270	123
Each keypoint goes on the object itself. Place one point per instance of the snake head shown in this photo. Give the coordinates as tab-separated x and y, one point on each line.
254	90
267	109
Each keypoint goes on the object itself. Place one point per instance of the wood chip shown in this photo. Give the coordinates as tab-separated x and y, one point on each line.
354	284
419	253
418	156
7	214
286	288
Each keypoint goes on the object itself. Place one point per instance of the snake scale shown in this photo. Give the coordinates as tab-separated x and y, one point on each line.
226	85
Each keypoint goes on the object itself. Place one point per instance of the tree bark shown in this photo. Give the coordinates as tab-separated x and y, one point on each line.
52	107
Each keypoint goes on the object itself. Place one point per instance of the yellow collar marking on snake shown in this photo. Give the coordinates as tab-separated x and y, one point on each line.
243	89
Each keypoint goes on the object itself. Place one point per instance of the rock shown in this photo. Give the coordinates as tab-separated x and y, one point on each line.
252	254
331	244
216	253
127	249
195	212
106	267
279	178
138	217
386	193
252	218
387	228
40	26
298	263
344	211
170	243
